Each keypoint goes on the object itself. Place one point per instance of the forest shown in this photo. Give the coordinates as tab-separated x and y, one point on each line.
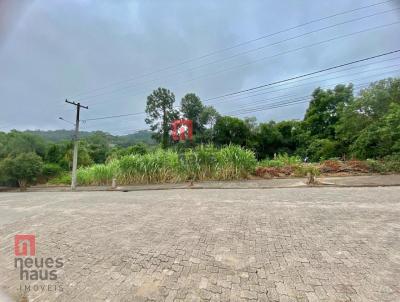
339	124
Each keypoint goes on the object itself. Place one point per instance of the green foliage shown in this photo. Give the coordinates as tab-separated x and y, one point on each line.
192	108
98	174
51	170
160	113
201	163
337	124
369	127
15	142
84	158
325	109
389	164
231	130
98	146
63	179
281	160
381	138
269	140
24	168
60	136
321	149
305	169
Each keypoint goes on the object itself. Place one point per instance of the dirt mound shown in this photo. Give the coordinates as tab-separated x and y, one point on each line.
351	166
269	172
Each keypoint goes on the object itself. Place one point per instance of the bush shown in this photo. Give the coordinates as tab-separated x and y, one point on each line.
390	164
321	149
24	168
281	160
62	179
51	170
303	170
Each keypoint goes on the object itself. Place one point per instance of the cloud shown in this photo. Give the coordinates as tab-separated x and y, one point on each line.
58	49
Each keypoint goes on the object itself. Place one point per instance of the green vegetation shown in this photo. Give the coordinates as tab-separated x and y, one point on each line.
361	129
201	163
23	169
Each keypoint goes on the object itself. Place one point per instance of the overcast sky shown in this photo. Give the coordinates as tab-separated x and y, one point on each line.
110	55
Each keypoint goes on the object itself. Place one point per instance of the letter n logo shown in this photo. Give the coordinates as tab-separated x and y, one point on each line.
21	244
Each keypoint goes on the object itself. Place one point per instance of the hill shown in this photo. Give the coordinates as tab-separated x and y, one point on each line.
121	140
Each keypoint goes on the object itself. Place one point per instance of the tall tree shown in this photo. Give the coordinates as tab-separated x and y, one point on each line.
192	108
269	140
325	109
208	118
160	114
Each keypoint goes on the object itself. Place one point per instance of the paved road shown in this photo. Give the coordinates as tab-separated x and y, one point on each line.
298	244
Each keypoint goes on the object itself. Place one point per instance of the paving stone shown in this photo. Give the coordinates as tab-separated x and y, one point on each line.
310	244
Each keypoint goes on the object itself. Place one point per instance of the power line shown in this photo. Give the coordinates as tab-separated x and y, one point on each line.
328	79
114	116
309	83
280	104
235	46
304	75
289	51
262	86
289	87
248	110
169	76
285	103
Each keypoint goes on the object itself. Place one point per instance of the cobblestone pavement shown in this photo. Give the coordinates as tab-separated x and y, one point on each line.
299	244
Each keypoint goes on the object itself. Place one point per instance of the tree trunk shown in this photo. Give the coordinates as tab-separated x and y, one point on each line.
164	130
22	185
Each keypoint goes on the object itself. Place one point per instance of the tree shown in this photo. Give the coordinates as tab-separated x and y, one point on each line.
361	127
290	131
231	130
269	140
17	142
192	108
24	168
325	109
208	119
381	138
321	149
160	114
98	146
84	158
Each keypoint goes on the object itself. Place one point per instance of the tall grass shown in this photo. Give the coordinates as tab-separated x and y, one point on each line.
201	163
281	160
99	174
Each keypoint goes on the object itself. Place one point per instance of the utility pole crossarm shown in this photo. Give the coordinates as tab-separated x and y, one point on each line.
76	142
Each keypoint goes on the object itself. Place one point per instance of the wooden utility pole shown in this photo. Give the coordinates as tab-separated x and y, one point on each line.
76	142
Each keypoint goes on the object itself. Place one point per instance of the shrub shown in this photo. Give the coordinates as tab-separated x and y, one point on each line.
390	164
62	179
281	160
24	168
303	170
51	170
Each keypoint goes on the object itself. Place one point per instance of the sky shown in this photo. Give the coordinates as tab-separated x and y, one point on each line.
110	55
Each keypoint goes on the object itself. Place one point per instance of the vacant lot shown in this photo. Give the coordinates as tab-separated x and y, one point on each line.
298	244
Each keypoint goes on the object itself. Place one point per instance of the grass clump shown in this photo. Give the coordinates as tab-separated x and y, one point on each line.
99	174
161	166
281	160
